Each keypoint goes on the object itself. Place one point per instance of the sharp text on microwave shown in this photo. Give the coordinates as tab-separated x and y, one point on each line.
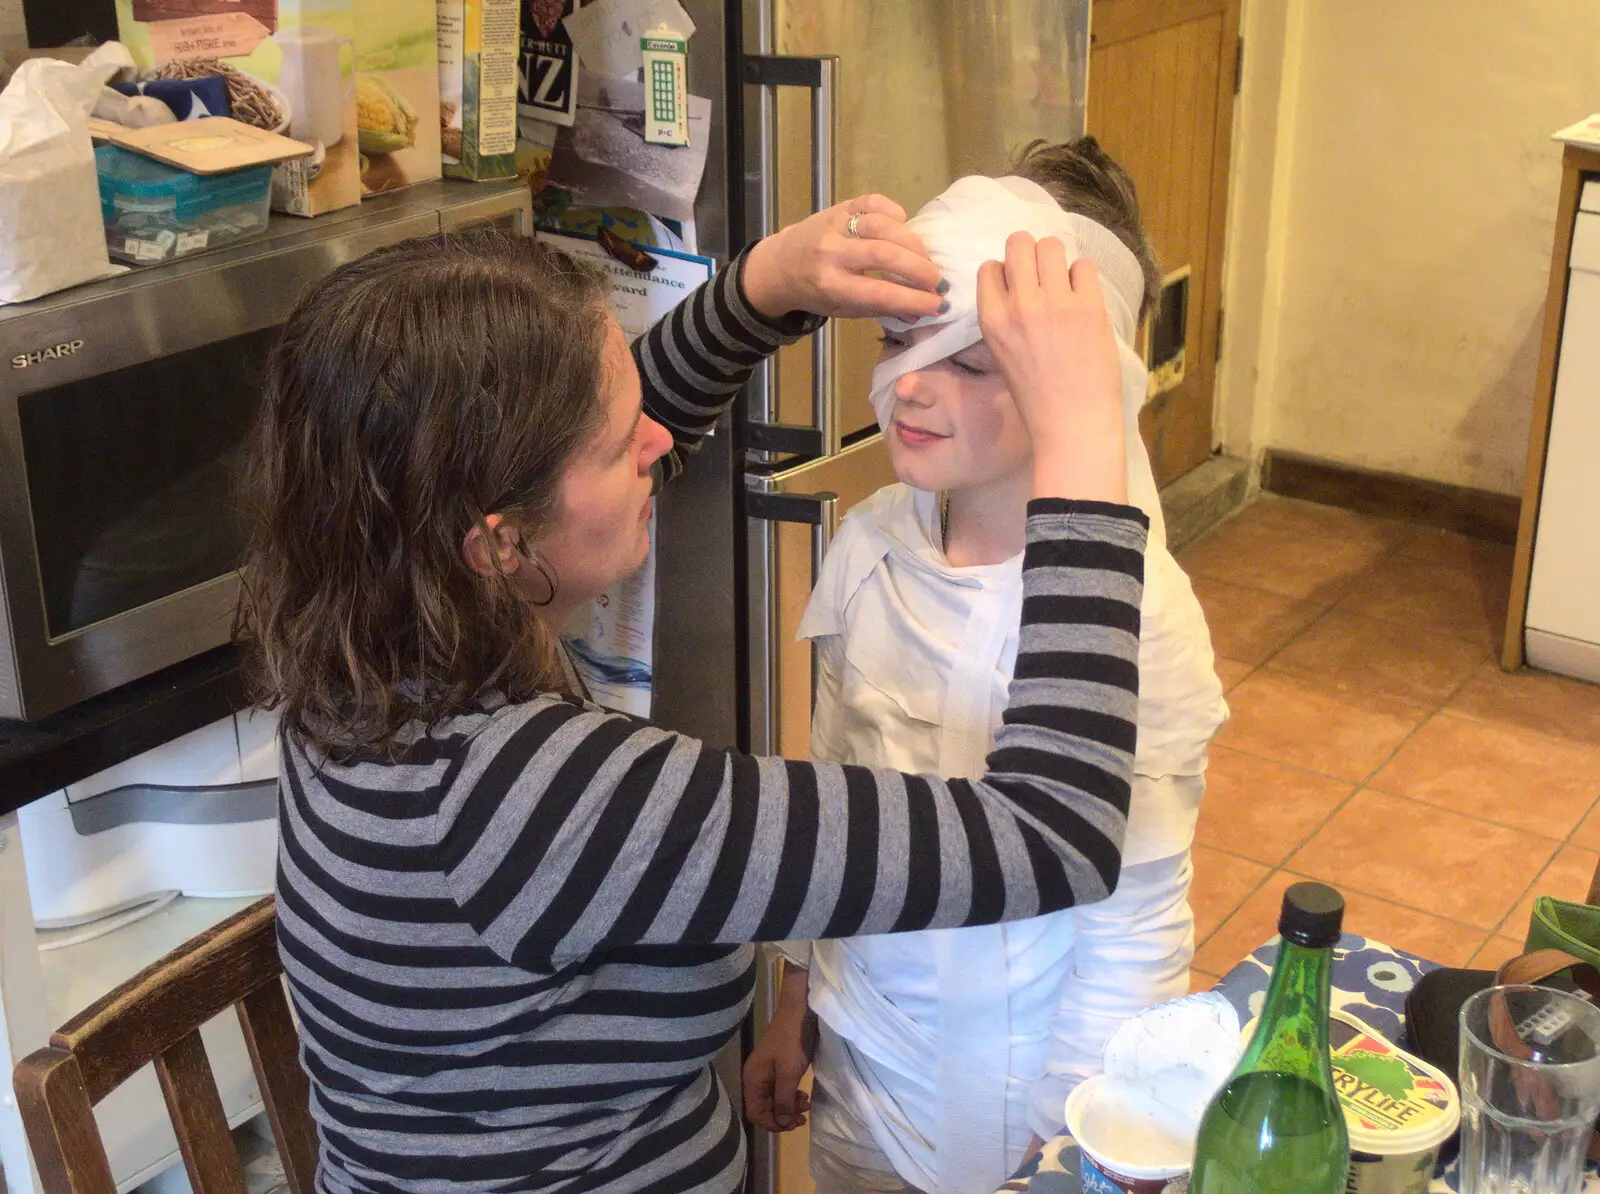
54	353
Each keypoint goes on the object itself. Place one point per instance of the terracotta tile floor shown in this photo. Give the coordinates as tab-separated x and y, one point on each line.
1375	743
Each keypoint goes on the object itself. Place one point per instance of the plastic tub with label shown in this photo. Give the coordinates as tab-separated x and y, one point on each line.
1398	1109
155	212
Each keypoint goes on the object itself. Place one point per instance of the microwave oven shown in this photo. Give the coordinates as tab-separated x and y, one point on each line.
124	409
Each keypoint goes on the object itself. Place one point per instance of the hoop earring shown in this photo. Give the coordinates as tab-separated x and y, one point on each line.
526	553
549	579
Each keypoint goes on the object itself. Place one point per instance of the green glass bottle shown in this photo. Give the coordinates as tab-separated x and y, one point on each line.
1276	1125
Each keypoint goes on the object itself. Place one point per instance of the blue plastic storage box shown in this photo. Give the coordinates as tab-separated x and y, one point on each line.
155	212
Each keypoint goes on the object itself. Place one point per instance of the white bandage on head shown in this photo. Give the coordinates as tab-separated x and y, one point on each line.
969	224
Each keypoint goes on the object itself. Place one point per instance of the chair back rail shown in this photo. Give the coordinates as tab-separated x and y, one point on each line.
155	1018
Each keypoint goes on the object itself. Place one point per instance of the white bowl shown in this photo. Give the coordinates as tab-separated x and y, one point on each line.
284	108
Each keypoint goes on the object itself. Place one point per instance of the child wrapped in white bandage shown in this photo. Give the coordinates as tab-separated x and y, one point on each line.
941	1054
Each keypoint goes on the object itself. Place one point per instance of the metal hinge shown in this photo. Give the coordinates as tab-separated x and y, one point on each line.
1222	314
1238	66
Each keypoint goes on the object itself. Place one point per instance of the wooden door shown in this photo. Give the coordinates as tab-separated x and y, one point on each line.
1161	88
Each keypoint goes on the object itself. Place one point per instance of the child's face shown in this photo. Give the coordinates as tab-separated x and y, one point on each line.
954	425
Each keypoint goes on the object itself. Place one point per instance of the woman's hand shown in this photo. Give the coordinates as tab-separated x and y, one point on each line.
1048	329
772	1096
817	266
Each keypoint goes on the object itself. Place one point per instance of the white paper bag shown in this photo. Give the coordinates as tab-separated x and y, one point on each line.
52	234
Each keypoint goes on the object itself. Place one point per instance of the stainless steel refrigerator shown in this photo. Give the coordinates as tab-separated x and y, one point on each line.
815	101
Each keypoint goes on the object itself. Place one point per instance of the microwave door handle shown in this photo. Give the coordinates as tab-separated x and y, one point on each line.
821	76
821	511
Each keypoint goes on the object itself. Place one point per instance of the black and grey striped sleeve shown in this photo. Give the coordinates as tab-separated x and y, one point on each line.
569	829
695	360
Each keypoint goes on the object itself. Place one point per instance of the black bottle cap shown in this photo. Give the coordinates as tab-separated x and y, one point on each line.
1312	915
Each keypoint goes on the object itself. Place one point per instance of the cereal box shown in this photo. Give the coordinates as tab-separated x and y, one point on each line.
397	92
478	47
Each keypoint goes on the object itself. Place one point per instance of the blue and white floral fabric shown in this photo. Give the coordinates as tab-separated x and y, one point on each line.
1370	981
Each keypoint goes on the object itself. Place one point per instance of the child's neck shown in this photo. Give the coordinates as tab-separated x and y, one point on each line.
988	523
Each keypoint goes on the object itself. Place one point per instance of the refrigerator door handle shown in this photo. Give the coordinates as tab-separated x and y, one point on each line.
821	511
820	75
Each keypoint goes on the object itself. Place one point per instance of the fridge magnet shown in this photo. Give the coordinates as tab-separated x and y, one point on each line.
666	114
547	72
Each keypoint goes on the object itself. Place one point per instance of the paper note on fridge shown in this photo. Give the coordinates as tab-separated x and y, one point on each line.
605	161
606	34
640	300
612	642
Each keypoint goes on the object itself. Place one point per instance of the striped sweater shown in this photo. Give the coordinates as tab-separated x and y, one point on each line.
515	951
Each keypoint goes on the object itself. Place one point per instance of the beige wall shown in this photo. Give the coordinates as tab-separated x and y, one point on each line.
13	32
1391	224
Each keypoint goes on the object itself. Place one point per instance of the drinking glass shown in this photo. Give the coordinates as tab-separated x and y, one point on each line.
1530	1090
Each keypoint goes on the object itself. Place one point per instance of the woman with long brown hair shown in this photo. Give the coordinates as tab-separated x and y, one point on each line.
516	927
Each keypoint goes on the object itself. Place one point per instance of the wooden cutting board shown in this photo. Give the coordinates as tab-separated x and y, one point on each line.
210	145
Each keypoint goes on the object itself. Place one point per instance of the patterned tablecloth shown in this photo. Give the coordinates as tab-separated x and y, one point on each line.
1370	981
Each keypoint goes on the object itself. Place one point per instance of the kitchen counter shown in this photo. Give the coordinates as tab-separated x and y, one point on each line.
40	757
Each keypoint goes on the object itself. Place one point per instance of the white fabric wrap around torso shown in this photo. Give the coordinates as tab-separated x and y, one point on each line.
928	654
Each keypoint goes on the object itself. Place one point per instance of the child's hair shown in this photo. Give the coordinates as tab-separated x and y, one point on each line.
1084	179
412	393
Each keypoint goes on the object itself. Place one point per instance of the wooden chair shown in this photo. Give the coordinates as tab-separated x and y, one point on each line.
155	1017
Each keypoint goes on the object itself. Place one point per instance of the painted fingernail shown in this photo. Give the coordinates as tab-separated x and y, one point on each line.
943	287
944	307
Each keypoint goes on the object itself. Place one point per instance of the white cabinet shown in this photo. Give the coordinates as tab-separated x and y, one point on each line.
1563	619
59	870
43	987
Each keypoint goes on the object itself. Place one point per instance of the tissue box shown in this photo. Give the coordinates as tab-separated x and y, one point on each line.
397	92
301	50
478	87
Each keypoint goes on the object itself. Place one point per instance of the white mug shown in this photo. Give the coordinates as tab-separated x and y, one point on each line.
314	83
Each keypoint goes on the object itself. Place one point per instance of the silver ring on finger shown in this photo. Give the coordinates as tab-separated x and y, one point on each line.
853	228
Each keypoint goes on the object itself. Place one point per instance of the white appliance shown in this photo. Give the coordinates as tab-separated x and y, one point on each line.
1563	622
197	816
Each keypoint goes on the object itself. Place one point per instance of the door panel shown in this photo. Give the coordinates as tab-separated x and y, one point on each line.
1160	102
1116	21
